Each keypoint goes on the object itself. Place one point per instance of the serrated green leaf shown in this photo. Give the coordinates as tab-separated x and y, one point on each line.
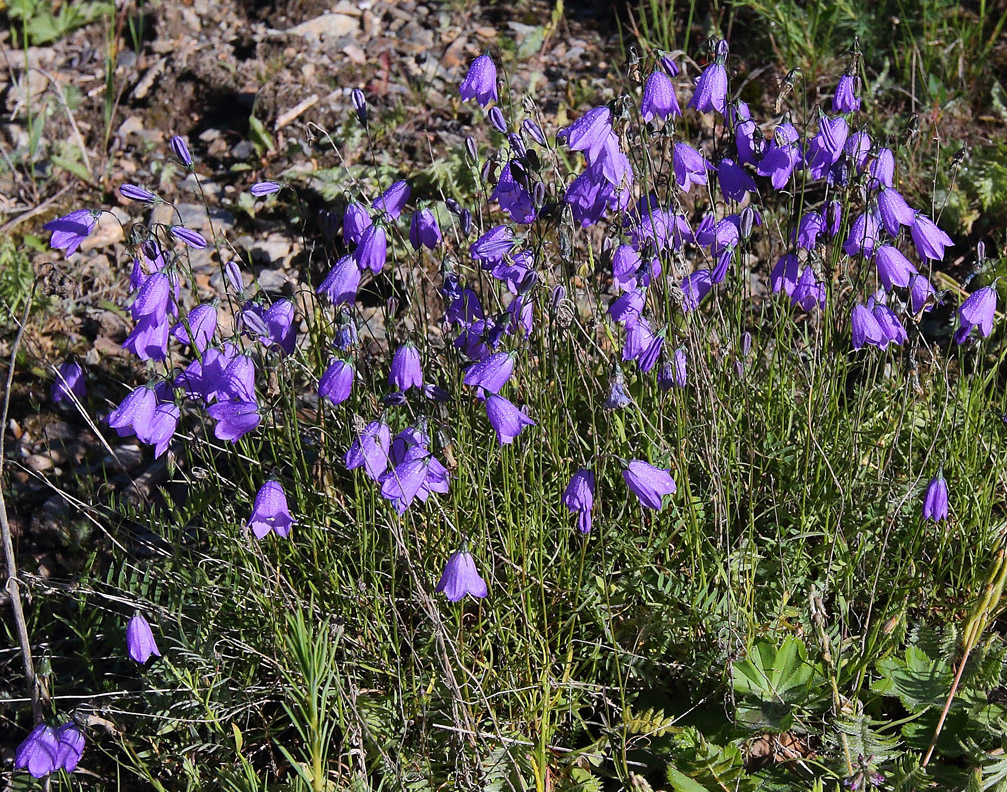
917	680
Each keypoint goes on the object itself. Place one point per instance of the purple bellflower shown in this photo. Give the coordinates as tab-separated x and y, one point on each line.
181	150
235	418
659	98
191	238
930	240
492	246
782	156
889	323
140	641
650	484
866	329
69	379
264	188
481	81
461	577
921	294
132	192
882	169
711	87
337	382
808	292
270	512
978	310
202	321
342	282
134	414
578	497
513	197
734	182
393	200
423	230
372	252
673	373
846	99
162	427
894	269
935	499
38	752
894	210
695	287
355	219
70	747
491	373
689	166
864	235
370	450
826	146
406	371
72	229
506	419
589	133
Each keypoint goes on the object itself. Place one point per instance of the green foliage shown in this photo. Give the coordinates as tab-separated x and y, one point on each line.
38	23
16	277
702	765
772	681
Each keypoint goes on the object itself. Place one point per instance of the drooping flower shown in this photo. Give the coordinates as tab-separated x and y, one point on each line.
163	426
491	373
133	192
894	269
202	324
689	166
461	577
935	500
337	382
659	98
481	81
134	414
651	354
894	210
711	87
866	329
506	419
342	282
846	99
617	396
70	747
370	450
69	379
921	294
372	252
578	497
270	512
355	219
626	308
808	292
359	102
423	230
864	235
589	133
406	371
826	146
882	169
781	156
181	150
72	229
650	484
513	197
695	287
393	200
889	323
492	246
673	372
140	641
930	240
978	310
235	418
808	229
38	752
734	182
264	188
191	238
749	140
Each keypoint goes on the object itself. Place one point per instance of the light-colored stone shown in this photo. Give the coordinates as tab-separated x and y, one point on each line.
327	26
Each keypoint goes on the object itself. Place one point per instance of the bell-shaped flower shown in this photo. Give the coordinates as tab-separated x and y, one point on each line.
406	371
782	156
202	324
846	99
930	240
461	577
506	419
889	322
650	356
866	329
69	379
72	229
626	308
894	269
70	747
490	374
393	200
826	146
864	235
235	418
355	220
688	165
922	296
588	197
481	81
734	182
695	287
659	98
370	450
423	230
342	282
270	512
882	169
140	643
492	246
894	210
372	252
578	497
808	292
37	753
513	197
673	373
162	427
749	142
808	230
134	414
650	484
337	382
589	133
978	310
858	149
935	500
191	238
711	89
